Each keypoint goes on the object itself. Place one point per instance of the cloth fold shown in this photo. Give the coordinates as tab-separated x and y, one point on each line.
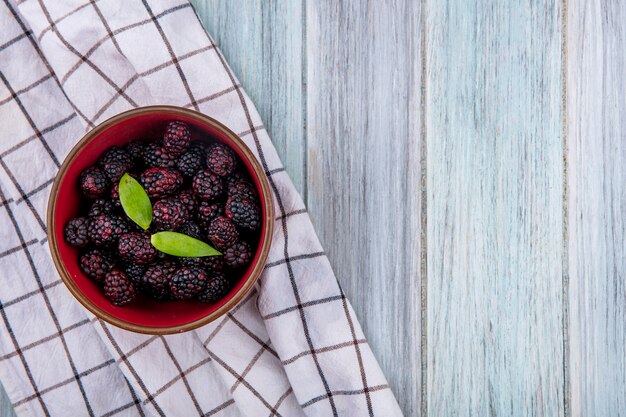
292	348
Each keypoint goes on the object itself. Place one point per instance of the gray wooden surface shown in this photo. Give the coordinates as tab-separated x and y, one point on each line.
464	166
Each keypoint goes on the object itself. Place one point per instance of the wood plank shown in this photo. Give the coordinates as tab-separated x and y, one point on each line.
5	404
363	134
495	188
597	206
262	42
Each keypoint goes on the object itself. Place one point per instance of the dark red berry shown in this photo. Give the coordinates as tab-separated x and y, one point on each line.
169	214
244	212
154	156
93	182
76	232
157	279
115	162
159	182
234	178
176	138
118	288
191	229
135	149
95	264
135	247
207	185
238	255
207	212
222	233
187	282
135	273
188	199
101	206
106	229
241	189
213	263
221	159
216	288
190	162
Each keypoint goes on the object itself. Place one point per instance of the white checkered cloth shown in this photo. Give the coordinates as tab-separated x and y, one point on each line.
293	348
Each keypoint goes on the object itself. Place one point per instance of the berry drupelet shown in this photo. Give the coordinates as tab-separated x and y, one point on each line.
96	264
222	233
176	138
187	282
93	182
169	214
216	288
118	288
106	229
238	255
160	182
207	185
241	189
135	273
76	232
135	247
214	263
221	160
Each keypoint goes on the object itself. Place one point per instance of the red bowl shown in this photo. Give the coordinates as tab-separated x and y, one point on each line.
143	315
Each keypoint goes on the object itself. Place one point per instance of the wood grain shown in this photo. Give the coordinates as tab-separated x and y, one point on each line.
597	205
495	186
363	134
263	44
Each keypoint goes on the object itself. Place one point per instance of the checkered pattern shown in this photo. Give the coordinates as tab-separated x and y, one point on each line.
292	348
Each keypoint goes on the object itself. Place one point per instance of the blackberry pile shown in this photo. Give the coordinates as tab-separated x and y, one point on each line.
198	187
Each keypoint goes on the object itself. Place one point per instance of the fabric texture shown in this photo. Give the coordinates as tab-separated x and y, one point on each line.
292	348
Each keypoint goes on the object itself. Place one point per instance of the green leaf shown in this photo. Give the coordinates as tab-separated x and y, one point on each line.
135	201
179	244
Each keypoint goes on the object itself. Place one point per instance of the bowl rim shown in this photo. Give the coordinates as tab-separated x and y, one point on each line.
264	247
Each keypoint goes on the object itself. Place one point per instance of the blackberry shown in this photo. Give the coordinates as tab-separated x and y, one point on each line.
207	212
115	162
135	247
169	214
234	178
93	182
222	233
191	229
118	288
157	278
221	159
154	156
244	212
207	185
187	282
96	264
213	263
241	189
188	199
101	206
76	232
135	272
216	288
106	229
135	149
159	182
190	162
115	195
176	138
238	255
